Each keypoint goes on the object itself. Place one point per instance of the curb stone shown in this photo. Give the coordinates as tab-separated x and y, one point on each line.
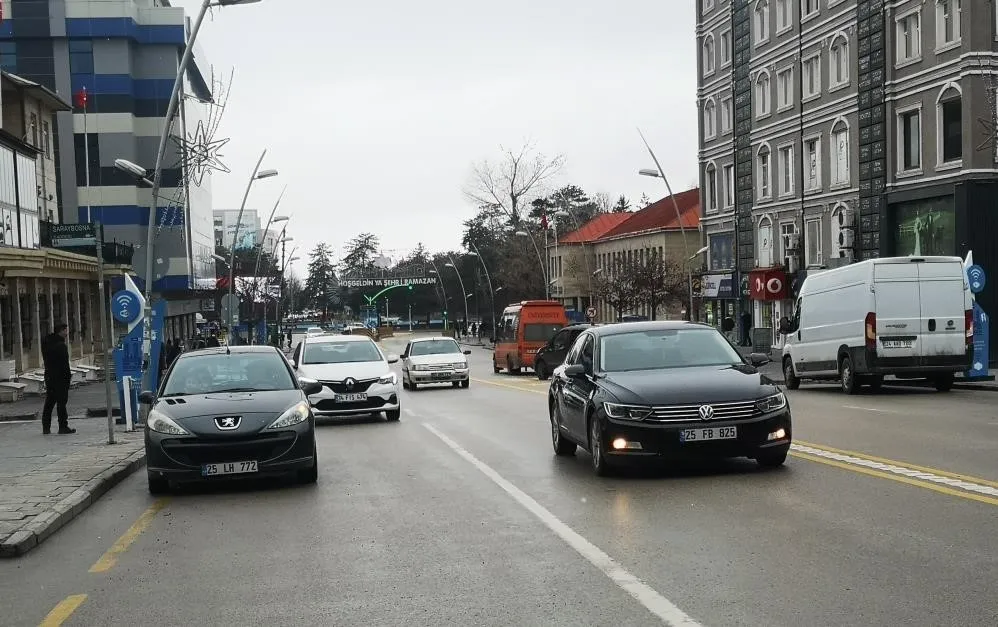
34	415
44	525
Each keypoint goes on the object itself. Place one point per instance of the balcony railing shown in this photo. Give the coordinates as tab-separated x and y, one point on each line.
117	253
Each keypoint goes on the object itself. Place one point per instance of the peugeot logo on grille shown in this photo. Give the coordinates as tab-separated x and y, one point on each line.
228	423
350	383
706	412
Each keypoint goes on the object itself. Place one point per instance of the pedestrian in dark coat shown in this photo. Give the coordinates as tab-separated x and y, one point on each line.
58	376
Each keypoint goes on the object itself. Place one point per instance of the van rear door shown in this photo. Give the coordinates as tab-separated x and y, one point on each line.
896	291
943	294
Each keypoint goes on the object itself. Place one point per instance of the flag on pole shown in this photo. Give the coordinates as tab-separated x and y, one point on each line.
544	221
81	98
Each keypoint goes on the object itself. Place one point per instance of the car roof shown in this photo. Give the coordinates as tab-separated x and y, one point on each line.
431	338
235	350
621	328
324	339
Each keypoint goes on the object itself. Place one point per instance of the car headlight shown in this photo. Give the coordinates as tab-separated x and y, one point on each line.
772	403
390	378
299	412
460	365
161	423
419	367
626	412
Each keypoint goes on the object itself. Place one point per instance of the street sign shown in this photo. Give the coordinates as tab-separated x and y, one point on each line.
230	310
68	235
125	306
976	278
590	312
134	290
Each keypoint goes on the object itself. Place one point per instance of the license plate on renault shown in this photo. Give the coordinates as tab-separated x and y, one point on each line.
355	397
703	434
229	468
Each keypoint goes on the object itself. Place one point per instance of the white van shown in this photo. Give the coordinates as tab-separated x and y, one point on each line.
910	317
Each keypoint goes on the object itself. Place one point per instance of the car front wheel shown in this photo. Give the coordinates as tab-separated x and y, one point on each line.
772	459
158	485
310	475
601	466
393	415
562	447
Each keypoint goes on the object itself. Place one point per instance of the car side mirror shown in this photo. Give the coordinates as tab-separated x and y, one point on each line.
467	352
393	359
574	370
147	398
759	359
310	387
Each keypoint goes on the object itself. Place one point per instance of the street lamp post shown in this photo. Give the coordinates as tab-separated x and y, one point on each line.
266	229
266	288
540	260
585	257
660	173
443	289
460	281
492	292
257	174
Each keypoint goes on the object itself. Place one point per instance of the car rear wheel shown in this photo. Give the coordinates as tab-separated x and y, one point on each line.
772	459
541	370
509	365
393	415
310	475
158	485
848	378
495	365
943	383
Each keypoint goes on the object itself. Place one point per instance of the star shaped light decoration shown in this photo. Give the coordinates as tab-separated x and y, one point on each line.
203	154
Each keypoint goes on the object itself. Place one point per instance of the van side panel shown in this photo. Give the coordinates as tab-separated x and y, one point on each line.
944	294
831	318
896	287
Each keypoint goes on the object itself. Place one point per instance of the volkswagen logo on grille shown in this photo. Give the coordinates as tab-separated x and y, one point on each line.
706	412
350	383
227	423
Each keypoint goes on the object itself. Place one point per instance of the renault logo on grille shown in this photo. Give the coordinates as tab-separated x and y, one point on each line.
706	412
350	383
227	423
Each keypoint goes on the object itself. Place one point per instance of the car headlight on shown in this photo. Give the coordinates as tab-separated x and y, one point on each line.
299	412
626	412
161	423
389	379
772	403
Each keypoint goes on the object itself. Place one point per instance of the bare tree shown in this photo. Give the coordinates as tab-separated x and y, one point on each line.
618	286
604	203
658	281
512	183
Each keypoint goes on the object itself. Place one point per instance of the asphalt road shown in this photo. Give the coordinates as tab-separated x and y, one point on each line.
886	514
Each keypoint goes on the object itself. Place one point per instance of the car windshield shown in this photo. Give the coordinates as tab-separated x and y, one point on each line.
341	352
232	372
540	332
665	348
434	347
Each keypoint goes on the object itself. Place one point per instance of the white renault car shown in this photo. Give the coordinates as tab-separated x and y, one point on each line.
354	373
434	360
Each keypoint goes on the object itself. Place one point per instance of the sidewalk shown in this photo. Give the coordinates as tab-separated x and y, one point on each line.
88	398
47	480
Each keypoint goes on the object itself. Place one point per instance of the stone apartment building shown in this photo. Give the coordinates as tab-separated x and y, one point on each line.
838	130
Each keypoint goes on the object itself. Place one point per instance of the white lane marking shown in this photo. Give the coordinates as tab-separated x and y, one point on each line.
654	602
886	411
899	470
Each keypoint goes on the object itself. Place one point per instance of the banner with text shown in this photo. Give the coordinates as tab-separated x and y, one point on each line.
387	282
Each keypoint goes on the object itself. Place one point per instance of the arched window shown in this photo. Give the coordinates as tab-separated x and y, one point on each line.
763	94
710	185
949	125
840	153
760	22
709	55
709	119
838	61
764	242
764	173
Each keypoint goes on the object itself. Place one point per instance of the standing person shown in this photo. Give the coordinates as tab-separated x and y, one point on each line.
58	376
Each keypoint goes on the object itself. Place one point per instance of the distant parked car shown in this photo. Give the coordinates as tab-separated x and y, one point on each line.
552	354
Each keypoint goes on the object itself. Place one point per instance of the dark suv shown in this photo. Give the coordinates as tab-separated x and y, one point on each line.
552	354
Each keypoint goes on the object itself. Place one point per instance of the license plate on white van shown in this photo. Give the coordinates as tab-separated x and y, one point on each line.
896	343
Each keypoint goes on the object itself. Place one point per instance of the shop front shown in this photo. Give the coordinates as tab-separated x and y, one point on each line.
770	296
720	303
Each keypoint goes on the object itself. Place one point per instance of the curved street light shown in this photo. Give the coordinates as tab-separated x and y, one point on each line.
452	264
257	175
492	292
540	260
440	278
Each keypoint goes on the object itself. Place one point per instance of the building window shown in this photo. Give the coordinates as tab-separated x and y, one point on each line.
46	140
765	242
949	129
721	251
909	37
762	94
728	172
812	76
708	5
948	14
785	89
786	170
709	120
708	55
812	241
81	57
787	232
760	22
763	173
726	115
8	56
812	164
33	131
784	15
910	140
838	62
808	8
840	153
710	176
725	48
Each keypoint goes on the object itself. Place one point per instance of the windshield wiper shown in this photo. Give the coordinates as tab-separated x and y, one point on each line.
233	390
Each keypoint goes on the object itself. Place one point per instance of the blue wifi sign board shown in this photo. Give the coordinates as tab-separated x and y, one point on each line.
125	307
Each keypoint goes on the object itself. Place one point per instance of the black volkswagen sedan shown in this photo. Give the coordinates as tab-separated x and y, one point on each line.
230	412
665	389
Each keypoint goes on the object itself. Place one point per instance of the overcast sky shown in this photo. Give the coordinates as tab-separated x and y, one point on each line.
375	112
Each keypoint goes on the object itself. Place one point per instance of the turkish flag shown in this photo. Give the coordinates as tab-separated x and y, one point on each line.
81	98
544	221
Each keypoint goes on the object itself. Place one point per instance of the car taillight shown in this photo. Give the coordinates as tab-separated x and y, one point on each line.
968	317
871	331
